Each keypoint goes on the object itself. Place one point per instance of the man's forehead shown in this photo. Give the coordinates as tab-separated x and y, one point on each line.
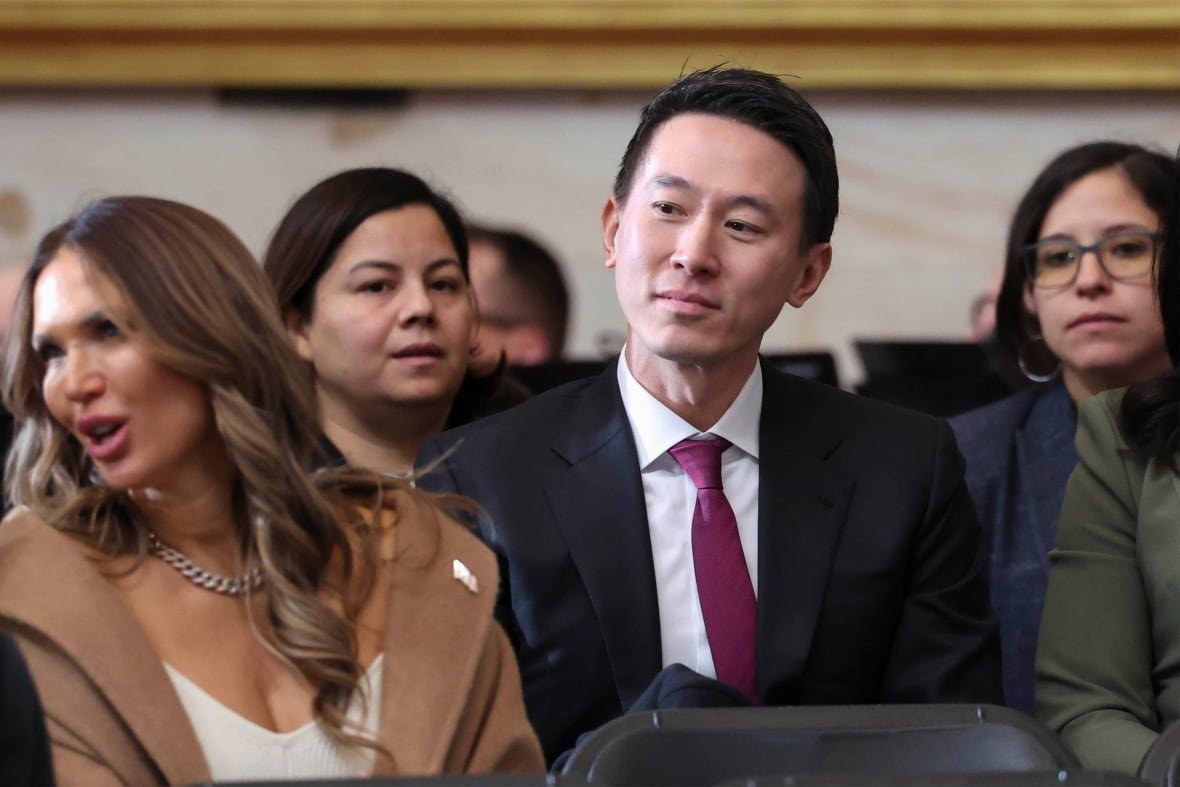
696	135
698	152
674	126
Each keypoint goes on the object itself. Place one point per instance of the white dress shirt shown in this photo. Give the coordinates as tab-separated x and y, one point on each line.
670	497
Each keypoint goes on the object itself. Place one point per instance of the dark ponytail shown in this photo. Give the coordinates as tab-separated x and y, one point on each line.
1150	414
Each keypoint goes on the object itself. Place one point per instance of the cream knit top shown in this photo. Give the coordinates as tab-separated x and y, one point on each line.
237	749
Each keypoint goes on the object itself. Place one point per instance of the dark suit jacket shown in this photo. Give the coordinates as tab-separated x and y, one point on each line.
1019	454
870	571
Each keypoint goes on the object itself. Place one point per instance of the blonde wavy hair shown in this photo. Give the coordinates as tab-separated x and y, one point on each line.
195	298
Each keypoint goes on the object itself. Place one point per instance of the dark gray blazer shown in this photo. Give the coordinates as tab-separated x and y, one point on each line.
870	565
1019	454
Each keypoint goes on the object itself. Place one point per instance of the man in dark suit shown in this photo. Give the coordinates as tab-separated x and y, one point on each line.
692	505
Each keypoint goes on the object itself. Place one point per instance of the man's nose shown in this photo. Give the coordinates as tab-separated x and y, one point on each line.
695	248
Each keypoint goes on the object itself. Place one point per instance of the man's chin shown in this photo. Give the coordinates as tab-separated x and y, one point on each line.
684	354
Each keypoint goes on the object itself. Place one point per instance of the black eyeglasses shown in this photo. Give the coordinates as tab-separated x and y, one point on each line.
1054	263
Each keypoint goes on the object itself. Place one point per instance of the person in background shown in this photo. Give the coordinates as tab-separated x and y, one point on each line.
982	314
193	604
370	266
10	278
1077	311
523	300
694	506
1108	658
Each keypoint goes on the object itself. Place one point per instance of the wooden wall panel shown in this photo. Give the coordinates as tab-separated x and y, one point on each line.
973	44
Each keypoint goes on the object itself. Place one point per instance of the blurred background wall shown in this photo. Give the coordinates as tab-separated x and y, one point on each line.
933	154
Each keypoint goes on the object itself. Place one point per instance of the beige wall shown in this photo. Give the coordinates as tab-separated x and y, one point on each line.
928	179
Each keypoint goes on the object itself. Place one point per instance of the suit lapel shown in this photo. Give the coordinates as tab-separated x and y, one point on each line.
802	503
46	584
597	500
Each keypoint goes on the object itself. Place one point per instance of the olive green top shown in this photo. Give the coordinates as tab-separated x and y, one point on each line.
1108	657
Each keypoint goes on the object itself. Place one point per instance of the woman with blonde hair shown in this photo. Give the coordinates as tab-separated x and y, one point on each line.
191	602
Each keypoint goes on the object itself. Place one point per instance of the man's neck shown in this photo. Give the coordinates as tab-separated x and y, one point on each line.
698	394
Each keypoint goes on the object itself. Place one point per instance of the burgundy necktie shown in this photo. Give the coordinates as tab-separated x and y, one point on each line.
723	581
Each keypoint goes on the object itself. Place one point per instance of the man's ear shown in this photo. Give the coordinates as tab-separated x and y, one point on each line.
610	228
296	325
818	259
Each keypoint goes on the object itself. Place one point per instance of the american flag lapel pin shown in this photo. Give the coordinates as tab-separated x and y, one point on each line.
464	575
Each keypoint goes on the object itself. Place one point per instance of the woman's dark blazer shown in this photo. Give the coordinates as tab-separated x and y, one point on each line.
1019	454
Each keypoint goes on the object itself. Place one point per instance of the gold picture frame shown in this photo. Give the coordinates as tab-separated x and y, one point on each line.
589	44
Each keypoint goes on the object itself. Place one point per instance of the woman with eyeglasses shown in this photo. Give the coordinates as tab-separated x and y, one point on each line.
1108	659
1078	314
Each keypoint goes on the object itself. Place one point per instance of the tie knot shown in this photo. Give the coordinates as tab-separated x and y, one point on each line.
701	459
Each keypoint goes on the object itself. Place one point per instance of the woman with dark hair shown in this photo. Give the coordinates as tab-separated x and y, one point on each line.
1108	660
191	602
370	267
1077	312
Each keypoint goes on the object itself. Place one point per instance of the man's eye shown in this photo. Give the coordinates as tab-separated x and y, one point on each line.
739	226
666	208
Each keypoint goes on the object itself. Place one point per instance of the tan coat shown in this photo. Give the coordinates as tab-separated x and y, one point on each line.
450	697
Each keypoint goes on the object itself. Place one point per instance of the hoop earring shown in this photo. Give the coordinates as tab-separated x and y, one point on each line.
1027	367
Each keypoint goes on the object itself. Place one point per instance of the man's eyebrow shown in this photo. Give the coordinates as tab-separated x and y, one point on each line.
756	203
672	182
740	200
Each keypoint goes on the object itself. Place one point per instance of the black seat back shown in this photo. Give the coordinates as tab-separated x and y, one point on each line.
711	746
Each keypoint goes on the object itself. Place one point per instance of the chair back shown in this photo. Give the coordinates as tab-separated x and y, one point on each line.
965	779
712	746
446	780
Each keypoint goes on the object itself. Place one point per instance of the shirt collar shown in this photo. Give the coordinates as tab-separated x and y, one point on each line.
656	428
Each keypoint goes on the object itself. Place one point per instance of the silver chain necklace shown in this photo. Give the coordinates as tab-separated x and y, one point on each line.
229	586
